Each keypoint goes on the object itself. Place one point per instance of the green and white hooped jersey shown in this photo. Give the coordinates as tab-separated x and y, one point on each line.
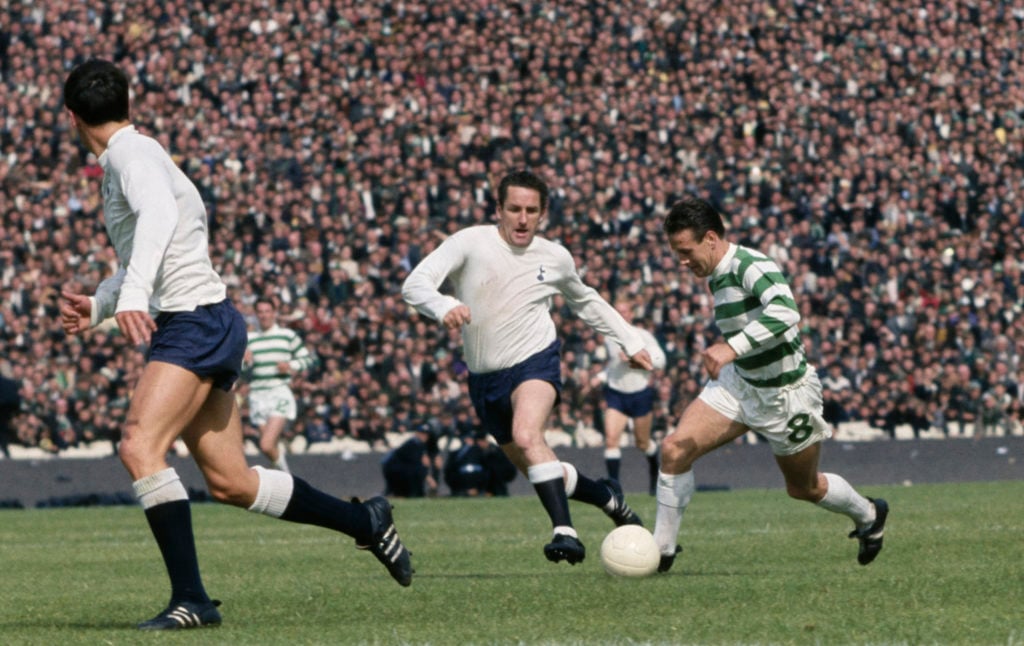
755	310
270	347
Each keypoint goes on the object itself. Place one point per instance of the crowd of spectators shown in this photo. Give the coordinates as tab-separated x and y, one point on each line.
874	149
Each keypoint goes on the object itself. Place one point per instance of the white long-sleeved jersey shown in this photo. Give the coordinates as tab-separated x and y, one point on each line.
508	291
156	221
625	379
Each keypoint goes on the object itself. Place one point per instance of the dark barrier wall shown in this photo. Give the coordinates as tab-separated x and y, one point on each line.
103	480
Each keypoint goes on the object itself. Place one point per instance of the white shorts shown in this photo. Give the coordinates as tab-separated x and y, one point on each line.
790	418
272	402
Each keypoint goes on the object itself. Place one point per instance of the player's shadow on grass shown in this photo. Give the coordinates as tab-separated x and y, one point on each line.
475	575
75	624
699	572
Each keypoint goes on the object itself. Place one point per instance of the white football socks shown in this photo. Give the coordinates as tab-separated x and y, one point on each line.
282	462
674	492
163	486
572	478
275	492
842	498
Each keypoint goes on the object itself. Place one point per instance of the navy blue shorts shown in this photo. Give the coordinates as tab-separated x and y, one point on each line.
630	404
491	392
209	341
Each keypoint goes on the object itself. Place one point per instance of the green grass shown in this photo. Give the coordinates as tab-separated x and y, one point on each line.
758	569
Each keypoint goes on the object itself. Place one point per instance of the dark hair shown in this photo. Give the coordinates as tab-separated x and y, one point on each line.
524	179
265	300
695	214
97	92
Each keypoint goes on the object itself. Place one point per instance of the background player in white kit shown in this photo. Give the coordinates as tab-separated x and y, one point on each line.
629	396
274	354
156	221
504	278
760	380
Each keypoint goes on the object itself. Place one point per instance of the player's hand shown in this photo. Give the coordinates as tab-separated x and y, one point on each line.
75	312
138	327
641	360
457	317
284	368
716	357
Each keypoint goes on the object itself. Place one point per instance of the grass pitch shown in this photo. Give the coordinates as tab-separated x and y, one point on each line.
757	568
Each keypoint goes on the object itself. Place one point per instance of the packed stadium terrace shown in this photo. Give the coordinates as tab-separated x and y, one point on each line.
873	149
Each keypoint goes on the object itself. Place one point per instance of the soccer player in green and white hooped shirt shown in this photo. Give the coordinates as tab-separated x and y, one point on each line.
274	354
760	380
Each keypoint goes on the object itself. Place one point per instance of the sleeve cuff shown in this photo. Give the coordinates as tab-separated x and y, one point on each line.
740	344
94	312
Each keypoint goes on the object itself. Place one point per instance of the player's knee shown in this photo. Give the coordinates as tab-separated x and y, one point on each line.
526	441
124	446
133	452
804	492
678	452
224	491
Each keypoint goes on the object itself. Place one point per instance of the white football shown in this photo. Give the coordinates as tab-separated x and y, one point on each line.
630	550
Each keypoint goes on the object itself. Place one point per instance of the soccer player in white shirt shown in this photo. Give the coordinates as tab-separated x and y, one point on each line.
760	380
274	355
504	277
629	396
167	295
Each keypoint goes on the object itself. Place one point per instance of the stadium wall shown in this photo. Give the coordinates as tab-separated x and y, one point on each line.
82	482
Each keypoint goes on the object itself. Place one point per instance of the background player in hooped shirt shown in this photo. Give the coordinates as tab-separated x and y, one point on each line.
629	396
167	295
504	278
274	354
